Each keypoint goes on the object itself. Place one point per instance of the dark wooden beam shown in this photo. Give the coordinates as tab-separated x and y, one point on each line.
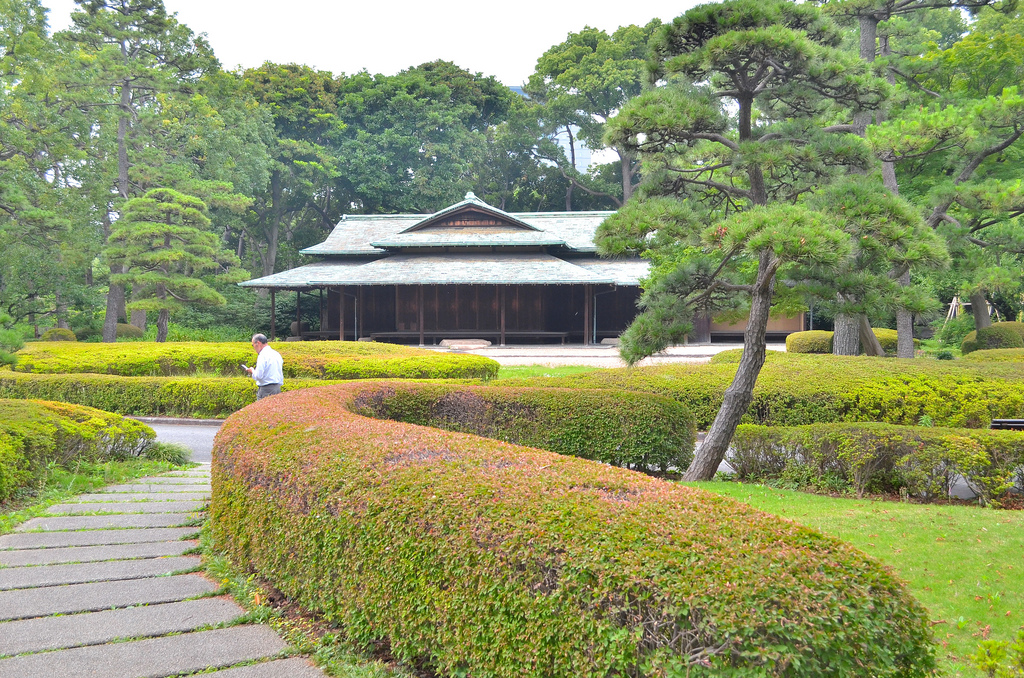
273	315
341	314
421	314
588	296
503	288
298	313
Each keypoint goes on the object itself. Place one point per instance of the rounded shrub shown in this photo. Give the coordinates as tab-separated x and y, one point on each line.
58	334
811	341
127	331
1013	355
471	556
998	335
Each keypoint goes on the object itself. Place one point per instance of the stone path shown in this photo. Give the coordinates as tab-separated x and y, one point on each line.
105	586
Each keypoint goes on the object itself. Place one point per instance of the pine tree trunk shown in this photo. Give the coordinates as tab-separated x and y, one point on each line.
979	307
115	307
868	340
138	318
162	319
904	326
741	392
846	337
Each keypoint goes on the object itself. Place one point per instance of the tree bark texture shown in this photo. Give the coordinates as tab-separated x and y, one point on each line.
162	319
868	340
276	192
846	337
741	392
979	307
904	326
115	307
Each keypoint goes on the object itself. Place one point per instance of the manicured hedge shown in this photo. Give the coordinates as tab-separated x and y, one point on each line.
1014	355
998	335
215	397
921	459
302	360
471	556
634	430
796	389
35	434
58	334
820	341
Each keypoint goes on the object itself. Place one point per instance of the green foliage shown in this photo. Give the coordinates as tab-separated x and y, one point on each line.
473	556
58	334
811	341
36	434
127	331
797	389
952	332
172	453
621	428
882	457
998	335
1001	659
1014	355
309	360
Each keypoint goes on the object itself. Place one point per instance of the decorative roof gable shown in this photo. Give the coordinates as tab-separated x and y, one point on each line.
472	214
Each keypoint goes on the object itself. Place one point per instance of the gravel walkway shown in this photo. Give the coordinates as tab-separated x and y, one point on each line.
103	586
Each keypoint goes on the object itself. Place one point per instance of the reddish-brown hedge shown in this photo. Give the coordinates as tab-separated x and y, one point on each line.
482	558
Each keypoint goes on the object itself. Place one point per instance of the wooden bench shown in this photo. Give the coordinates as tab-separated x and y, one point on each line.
1007	424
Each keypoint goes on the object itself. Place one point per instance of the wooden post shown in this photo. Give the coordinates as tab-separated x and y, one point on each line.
503	289
587	296
298	313
361	320
273	315
421	314
341	313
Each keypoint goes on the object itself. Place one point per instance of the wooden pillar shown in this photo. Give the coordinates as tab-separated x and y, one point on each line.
588	296
273	315
503	288
360	303
341	313
323	316
298	313
421	313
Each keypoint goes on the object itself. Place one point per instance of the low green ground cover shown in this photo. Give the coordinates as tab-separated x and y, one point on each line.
302	360
473	556
526	371
963	563
37	436
59	484
797	389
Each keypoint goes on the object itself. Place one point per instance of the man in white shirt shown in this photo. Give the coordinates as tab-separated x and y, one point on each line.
269	370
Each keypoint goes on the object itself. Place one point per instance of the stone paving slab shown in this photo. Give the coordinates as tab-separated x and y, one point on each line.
53	540
294	667
172	482
126	507
80	573
102	522
27	603
91	628
165	488
151	658
141	496
92	554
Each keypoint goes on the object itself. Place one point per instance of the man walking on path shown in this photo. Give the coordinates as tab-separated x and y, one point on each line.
269	370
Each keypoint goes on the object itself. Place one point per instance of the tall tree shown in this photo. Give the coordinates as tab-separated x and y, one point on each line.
777	67
581	83
129	52
165	242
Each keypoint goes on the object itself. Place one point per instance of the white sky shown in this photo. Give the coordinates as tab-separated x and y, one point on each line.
496	37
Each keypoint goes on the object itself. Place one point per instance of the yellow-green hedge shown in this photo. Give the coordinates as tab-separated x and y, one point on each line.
302	360
920	459
820	341
470	556
795	389
1013	355
639	431
997	335
35	434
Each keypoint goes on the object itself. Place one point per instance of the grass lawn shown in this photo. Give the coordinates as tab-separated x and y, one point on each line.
526	371
61	483
963	563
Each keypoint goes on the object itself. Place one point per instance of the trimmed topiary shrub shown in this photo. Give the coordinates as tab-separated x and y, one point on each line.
1012	355
639	431
921	459
811	341
302	360
58	334
35	434
795	389
471	556
128	331
998	335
